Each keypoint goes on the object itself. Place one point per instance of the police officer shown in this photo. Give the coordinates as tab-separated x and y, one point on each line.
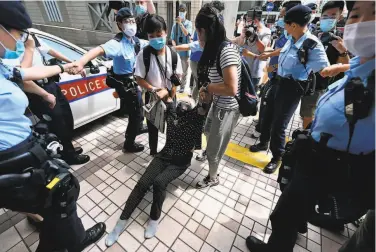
292	78
336	52
122	49
21	151
339	156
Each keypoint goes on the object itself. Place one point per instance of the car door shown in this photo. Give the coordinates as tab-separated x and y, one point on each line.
89	97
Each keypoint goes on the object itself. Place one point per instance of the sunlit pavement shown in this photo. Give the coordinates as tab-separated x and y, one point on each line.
215	219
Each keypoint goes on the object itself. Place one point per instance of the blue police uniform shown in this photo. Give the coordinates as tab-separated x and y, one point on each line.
330	114
15	126
180	38
287	97
124	57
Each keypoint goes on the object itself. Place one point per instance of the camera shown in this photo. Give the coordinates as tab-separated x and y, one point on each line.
175	80
327	37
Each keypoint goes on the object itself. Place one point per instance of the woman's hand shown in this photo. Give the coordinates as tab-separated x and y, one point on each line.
50	99
263	56
332	70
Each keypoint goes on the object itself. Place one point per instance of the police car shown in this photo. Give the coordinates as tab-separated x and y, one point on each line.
89	97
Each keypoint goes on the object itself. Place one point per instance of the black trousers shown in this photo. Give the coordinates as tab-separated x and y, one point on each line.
158	174
317	175
152	130
266	110
56	233
62	124
133	106
286	100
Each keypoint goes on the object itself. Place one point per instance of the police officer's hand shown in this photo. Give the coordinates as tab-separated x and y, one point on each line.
331	71
339	45
30	42
263	56
50	99
77	68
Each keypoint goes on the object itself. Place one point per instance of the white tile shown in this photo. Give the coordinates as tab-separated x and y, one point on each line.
210	207
87	222
178	216
111	209
193	241
86	203
220	238
95	211
180	246
85	187
243	188
207	248
198	216
124	174
128	242
8	239
102	217
207	222
192	225
312	246
184	207
111	222
161	248
24	228
102	175
20	247
105	203
150	244
168	230
120	195
258	212
137	231
329	245
240	244
232	214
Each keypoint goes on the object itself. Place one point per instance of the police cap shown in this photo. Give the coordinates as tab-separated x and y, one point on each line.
13	15
312	6
124	13
299	14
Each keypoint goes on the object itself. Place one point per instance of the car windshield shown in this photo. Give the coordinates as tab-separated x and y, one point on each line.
64	49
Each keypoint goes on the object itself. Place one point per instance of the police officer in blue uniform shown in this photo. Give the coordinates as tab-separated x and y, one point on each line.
26	169
339	156
123	49
293	78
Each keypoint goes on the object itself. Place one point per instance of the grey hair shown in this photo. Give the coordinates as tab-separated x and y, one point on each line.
187	100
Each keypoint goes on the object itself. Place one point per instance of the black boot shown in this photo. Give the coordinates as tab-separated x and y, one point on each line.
273	165
93	235
143	129
255	245
259	147
76	159
78	150
133	148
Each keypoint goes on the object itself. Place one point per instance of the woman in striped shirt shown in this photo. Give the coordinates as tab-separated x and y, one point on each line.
224	111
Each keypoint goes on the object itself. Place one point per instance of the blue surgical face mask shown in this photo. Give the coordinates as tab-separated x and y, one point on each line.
281	23
20	48
327	24
182	14
288	36
139	10
157	43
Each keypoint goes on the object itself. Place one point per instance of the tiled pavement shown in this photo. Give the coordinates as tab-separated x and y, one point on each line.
210	220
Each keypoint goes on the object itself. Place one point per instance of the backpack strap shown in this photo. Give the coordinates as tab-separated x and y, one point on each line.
137	46
146	56
174	57
308	44
218	58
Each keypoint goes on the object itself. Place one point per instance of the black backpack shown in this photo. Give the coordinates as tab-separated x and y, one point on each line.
148	50
247	99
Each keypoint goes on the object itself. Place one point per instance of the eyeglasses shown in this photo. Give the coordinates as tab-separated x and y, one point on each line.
129	21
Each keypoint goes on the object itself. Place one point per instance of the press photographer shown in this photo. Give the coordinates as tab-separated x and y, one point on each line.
254	39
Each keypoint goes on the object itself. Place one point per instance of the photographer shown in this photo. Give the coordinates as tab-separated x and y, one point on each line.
156	71
181	33
254	39
25	167
336	52
123	50
339	155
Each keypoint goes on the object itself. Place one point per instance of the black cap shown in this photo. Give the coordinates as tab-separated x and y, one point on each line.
183	6
299	14
312	6
13	14
124	13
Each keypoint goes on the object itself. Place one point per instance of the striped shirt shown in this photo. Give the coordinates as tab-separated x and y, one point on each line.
229	57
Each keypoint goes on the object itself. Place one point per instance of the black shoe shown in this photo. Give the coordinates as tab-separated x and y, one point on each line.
77	159
78	150
36	224
153	153
133	148
303	228
255	245
143	129
273	165
93	235
259	147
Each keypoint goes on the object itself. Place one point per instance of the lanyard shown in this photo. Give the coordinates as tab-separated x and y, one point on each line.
162	69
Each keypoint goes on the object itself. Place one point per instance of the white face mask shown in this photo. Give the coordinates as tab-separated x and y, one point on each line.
130	29
359	38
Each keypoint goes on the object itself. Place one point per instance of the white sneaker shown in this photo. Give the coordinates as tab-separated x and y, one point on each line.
151	229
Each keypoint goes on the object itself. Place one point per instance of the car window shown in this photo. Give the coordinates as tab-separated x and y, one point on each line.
62	48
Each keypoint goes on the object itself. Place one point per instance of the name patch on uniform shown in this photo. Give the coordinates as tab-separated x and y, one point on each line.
78	89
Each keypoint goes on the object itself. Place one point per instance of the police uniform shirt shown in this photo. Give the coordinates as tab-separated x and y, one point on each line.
185	39
123	54
274	60
289	64
14	125
330	114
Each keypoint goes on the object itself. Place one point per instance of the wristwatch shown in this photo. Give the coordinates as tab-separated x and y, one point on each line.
344	54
